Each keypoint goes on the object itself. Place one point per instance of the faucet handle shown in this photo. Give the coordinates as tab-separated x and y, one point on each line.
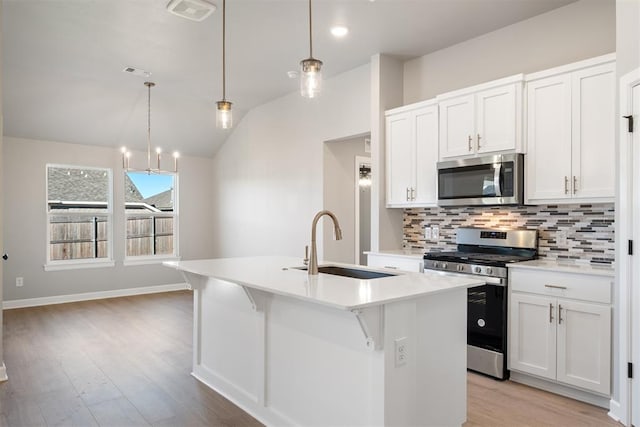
305	261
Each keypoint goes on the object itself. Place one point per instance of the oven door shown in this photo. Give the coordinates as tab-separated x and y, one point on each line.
490	180
487	330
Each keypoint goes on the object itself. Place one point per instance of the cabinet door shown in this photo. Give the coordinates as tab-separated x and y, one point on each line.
548	160
457	126
593	126
399	158
496	119
394	263
426	157
584	345
532	335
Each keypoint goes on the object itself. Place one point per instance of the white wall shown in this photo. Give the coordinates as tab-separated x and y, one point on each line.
24	173
386	93
577	31
339	195
627	35
267	177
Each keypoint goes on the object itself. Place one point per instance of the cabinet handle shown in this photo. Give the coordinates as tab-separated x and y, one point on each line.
566	185
391	267
550	313
413	193
575	184
478	143
470	140
555	286
559	314
408	194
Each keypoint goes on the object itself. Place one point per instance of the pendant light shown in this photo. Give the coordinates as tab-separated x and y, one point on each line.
224	117
311	77
126	154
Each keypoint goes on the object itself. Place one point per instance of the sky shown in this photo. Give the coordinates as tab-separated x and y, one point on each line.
151	184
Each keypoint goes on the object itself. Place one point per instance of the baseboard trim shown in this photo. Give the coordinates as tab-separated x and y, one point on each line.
3	373
557	388
615	411
62	299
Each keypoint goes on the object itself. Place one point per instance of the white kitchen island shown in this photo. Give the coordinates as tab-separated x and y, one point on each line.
326	350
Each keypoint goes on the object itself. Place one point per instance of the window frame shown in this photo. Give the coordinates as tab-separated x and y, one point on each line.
159	258
80	263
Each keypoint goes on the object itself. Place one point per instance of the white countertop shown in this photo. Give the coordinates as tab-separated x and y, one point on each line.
400	253
565	267
272	274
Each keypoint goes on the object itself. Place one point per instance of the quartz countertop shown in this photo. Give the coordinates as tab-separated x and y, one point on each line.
566	267
277	275
400	253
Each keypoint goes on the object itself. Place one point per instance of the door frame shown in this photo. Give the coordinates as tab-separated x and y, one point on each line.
358	160
628	228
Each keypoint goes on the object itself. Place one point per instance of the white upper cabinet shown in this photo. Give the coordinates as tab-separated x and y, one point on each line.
571	133
481	119
412	154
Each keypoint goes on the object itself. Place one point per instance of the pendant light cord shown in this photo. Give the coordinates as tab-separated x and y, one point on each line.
149	127
310	33
224	77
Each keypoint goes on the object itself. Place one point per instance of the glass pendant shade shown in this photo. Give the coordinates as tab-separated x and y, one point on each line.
224	117
311	77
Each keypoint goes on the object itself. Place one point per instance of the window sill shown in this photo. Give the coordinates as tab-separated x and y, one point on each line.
71	265
149	260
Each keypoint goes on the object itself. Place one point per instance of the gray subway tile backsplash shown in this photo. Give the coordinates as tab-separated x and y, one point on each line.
566	232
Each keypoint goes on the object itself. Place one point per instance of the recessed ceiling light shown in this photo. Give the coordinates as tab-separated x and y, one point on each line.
339	31
292	74
137	72
194	10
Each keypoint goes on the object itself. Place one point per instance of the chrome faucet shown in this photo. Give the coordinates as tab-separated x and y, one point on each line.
313	264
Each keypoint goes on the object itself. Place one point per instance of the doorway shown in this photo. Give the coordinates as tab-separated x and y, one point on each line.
362	209
339	196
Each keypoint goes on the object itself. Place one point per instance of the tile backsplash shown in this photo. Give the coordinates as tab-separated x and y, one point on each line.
565	232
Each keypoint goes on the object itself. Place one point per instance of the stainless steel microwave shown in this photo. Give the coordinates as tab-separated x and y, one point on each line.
482	181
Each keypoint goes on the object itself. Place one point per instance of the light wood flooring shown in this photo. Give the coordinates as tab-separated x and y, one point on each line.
126	362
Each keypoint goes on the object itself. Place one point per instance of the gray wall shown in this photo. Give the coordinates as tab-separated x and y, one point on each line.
577	31
1	207
268	175
339	196
25	227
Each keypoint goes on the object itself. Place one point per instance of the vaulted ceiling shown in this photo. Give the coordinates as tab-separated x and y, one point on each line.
63	59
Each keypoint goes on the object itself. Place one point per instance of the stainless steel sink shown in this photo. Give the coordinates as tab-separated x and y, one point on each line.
349	272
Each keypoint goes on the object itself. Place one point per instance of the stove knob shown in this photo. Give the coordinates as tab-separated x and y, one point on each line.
444	265
460	267
436	264
477	269
489	270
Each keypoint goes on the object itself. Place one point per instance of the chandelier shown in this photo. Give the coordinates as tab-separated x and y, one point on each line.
126	154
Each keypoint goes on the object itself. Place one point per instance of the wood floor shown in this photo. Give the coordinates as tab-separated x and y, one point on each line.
126	362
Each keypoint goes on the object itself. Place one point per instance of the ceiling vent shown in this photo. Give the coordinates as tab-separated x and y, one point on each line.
194	10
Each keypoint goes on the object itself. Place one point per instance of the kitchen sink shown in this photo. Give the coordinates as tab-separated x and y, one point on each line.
349	272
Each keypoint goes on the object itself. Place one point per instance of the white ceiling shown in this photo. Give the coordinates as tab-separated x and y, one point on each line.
63	59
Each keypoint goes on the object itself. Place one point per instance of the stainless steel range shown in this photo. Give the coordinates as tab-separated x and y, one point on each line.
486	252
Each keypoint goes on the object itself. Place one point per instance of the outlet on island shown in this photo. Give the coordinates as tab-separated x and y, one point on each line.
19	281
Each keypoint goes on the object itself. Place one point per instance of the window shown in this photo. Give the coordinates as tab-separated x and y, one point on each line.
151	216
79	216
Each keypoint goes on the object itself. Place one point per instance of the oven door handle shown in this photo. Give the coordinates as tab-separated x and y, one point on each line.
496	180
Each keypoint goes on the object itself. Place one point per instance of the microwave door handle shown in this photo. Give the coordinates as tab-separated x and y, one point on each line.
497	185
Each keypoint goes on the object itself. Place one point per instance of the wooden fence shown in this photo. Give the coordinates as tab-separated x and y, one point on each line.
86	237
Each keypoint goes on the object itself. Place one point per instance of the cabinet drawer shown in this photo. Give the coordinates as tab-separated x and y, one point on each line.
396	263
565	285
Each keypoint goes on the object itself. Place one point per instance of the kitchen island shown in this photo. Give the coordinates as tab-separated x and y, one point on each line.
294	349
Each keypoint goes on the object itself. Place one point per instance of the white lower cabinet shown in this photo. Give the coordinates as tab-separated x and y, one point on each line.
557	330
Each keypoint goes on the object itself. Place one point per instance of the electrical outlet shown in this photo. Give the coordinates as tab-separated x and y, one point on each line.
561	238
435	233
427	233
19	281
401	351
